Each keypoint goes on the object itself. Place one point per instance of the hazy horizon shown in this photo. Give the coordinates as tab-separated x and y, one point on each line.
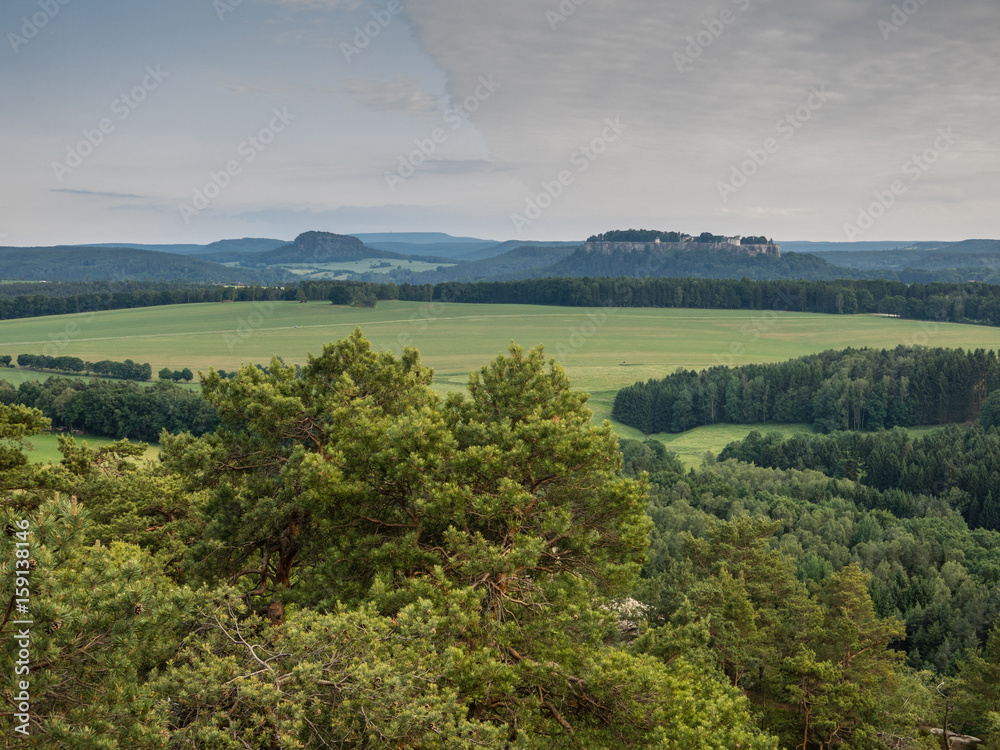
213	119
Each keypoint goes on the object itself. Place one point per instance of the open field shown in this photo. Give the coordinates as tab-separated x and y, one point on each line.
369	265
45	448
602	351
691	446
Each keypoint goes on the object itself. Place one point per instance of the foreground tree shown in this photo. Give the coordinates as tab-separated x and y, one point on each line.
415	572
977	709
355	480
844	678
81	624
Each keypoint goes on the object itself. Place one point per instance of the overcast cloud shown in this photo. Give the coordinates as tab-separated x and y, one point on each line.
522	119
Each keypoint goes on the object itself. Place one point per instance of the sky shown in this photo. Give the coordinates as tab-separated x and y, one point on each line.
190	121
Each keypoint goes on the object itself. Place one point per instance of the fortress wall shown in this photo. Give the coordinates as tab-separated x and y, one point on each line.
609	248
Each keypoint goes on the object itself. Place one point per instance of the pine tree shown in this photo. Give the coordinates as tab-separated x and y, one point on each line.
977	707
414	572
989	514
82	624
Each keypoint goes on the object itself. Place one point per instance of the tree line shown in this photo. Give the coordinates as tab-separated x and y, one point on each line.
114	409
956	303
127	370
166	373
851	389
936	302
639	235
651	235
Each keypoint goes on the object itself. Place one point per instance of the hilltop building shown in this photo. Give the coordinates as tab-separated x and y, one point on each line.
731	245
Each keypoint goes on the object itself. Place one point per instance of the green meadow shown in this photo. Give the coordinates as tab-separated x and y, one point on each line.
45	448
380	265
601	350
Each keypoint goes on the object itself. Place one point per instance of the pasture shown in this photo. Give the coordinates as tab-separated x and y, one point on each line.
601	350
45	448
369	265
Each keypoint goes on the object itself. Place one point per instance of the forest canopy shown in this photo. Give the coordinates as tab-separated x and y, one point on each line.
351	560
851	389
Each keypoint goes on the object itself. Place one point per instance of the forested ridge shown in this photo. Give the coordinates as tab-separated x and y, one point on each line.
351	560
937	302
856	389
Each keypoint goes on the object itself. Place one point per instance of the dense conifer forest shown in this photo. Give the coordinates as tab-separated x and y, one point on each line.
746	559
347	559
114	409
853	389
959	465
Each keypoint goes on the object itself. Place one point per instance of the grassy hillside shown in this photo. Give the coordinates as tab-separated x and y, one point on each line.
601	352
45	448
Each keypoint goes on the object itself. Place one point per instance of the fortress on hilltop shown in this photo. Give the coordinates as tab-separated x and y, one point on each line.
690	244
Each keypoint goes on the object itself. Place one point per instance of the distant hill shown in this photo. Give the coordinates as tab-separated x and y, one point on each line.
977	260
970	246
323	247
538	261
420	238
251	260
245	245
451	248
67	263
706	264
452	251
842	247
514	244
175	249
523	262
238	251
